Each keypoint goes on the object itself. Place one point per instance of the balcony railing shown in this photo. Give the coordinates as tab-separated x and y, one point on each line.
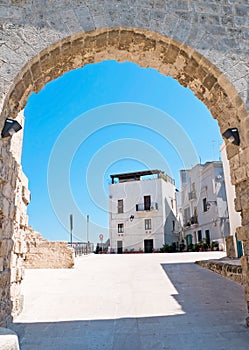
192	221
144	207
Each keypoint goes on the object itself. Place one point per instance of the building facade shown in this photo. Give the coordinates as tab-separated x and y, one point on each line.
234	216
204	204
143	211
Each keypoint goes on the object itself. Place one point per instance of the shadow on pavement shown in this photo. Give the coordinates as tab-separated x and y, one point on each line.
213	318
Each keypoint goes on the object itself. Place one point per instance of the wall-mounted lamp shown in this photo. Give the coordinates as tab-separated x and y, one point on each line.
131	218
232	135
10	127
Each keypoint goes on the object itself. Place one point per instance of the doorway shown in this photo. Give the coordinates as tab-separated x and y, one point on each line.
120	247
148	245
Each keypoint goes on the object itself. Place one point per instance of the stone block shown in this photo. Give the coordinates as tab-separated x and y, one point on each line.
245	245
7	189
25	195
36	70
4	248
230	248
20	247
8	339
243	233
245	265
16	274
5	207
1	264
232	150
4	279
245	217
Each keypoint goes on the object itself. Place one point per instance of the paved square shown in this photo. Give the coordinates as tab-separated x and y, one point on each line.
133	301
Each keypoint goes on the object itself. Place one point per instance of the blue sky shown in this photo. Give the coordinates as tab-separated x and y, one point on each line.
106	118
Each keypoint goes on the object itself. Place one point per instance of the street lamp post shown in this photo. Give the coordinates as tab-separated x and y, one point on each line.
87	233
71	229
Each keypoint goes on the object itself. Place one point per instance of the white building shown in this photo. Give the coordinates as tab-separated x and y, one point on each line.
143	211
204	204
234	216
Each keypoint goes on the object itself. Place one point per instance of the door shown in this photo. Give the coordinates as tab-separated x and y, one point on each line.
148	245
120	247
239	246
147	202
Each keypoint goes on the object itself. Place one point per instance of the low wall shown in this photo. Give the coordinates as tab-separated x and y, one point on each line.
230	271
43	254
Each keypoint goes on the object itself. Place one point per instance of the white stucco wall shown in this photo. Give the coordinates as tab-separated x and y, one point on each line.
209	184
234	217
133	193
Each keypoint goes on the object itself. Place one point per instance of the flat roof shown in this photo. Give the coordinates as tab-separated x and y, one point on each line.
135	175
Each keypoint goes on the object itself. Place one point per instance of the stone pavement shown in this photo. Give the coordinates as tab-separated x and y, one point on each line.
133	302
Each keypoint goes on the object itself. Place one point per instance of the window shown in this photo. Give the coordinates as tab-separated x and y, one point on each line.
120	228
172	204
183	176
147	224
120	206
199	236
204	203
186	214
173	225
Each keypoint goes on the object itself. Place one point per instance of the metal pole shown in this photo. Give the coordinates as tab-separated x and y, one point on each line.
87	232
71	229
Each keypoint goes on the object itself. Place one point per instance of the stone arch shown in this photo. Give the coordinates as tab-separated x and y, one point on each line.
147	49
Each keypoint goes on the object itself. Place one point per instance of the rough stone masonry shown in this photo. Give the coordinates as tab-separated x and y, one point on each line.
202	44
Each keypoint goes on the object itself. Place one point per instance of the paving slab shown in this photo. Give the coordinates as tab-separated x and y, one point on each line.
133	301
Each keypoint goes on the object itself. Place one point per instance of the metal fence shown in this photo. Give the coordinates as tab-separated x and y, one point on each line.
81	248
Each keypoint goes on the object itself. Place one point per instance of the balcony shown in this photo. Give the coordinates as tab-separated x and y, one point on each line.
192	221
192	195
143	207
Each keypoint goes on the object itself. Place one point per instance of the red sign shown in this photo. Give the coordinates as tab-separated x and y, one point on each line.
101	237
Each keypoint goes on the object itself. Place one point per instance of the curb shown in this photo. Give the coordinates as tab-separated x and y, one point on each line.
230	271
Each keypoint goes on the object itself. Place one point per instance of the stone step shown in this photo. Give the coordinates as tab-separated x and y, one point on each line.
8	339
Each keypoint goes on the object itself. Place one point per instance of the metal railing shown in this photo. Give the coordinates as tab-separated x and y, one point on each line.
81	248
143	207
192	221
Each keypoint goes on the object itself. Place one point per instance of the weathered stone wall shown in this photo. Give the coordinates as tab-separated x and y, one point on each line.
43	254
14	197
230	247
204	45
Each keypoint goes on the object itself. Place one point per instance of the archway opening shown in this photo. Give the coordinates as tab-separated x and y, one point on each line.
148	50
77	95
